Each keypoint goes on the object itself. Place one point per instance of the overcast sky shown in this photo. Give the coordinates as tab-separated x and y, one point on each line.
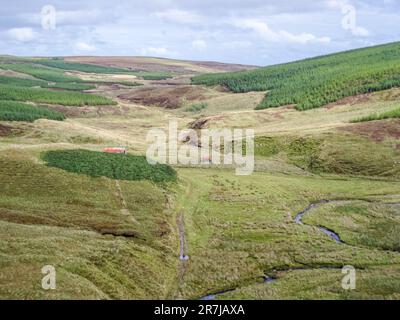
260	32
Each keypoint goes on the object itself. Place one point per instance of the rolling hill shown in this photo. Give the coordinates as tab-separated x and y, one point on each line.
115	227
315	82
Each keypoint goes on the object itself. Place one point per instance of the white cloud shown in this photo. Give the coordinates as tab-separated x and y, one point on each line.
360	32
178	16
158	52
67	17
83	46
77	16
22	34
237	44
349	21
199	45
152	51
336	4
262	29
281	31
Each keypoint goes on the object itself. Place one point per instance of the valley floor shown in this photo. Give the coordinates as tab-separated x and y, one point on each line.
112	239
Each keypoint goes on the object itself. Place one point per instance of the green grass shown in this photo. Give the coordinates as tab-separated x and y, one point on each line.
17	111
20	82
51	97
115	166
84	85
29	192
74	222
197	107
123	83
312	83
88	265
53	70
117	239
380	283
71	86
89	68
146	75
335	153
14	59
238	229
393	114
40	72
241	228
360	223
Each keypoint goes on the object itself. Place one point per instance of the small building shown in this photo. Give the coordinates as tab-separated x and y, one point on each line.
118	150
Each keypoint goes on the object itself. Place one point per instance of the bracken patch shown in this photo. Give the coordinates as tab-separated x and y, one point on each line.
5	130
169	97
376	130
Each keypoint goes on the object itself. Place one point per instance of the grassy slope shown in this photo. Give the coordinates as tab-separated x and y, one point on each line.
14	81
315	82
242	228
40	72
88	266
238	228
379	283
337	153
392	114
360	223
288	121
16	111
17	93
65	216
114	166
36	89
92	68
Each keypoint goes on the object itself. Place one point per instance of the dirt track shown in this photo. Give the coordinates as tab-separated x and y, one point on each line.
182	238
183	257
124	207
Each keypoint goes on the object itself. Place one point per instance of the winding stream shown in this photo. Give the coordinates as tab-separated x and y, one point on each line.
332	234
267	280
298	219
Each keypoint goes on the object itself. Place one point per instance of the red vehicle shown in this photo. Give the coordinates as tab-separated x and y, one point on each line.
115	150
